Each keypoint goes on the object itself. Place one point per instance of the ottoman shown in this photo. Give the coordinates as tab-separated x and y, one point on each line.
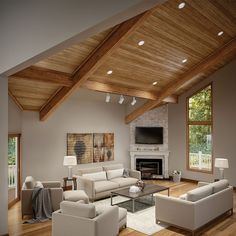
75	195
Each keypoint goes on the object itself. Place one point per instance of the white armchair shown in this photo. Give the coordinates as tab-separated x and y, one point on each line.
76	218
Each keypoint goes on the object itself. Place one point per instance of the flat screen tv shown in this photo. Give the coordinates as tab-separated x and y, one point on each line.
149	135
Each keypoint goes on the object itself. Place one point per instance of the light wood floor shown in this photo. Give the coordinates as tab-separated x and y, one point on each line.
225	226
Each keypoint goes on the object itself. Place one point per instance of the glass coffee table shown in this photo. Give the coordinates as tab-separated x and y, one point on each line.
149	189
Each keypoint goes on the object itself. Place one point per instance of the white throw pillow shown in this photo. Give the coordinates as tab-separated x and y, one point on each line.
29	182
111	174
97	176
38	184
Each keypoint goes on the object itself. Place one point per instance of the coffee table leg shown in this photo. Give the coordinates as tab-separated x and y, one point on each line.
133	205
168	192
111	199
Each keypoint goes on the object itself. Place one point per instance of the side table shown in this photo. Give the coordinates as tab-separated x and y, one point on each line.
69	187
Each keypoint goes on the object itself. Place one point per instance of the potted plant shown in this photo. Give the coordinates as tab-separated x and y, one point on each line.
176	176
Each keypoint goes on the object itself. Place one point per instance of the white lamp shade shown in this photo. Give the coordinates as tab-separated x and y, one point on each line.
221	163
70	161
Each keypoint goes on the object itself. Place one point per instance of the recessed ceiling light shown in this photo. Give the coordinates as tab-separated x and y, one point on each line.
154	83
181	5
140	43
184	60
220	33
109	72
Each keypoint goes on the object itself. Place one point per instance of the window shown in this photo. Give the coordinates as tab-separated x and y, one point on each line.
199	131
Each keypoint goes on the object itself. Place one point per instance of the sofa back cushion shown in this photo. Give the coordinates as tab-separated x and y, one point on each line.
97	176
199	193
111	174
220	185
29	182
89	170
78	209
113	167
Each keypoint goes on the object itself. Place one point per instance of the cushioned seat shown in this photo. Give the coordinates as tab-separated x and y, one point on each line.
123	182
102	186
75	195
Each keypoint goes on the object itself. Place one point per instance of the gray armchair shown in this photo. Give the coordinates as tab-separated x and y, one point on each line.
56	194
76	218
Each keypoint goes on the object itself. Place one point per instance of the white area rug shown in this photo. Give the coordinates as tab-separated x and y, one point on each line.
142	220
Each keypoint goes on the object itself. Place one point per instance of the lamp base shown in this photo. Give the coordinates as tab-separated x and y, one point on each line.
221	173
69	172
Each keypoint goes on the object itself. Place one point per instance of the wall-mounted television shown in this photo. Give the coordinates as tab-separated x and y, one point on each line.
149	135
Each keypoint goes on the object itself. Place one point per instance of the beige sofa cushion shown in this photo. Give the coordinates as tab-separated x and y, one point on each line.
78	209
113	167
102	186
123	182
89	170
220	185
97	176
199	193
29	182
75	195
111	174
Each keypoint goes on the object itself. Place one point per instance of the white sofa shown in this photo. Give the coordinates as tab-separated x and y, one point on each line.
98	182
77	218
197	207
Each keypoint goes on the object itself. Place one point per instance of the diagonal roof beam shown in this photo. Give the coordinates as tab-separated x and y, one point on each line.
34	73
95	59
192	74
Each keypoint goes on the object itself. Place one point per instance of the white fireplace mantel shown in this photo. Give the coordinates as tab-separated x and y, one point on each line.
164	155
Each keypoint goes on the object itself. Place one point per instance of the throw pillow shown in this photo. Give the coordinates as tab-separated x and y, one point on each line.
38	184
97	176
29	182
111	174
126	173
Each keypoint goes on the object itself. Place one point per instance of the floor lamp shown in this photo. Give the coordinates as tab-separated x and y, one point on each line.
70	161
221	163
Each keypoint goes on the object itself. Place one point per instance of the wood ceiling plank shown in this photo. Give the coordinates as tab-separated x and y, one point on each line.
211	61
98	56
110	88
38	74
15	100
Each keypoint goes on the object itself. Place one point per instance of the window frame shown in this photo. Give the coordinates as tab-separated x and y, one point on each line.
209	123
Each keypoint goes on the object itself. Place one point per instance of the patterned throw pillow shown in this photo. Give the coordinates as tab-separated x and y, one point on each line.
126	173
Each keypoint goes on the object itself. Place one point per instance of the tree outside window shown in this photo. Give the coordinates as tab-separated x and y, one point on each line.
199	130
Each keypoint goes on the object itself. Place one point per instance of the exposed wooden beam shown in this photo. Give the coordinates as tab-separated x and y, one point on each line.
109	88
95	59
34	73
15	100
171	99
209	62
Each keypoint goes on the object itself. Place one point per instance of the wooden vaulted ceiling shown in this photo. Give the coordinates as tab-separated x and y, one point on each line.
170	35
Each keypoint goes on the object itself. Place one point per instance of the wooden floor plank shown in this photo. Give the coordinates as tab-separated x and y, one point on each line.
225	226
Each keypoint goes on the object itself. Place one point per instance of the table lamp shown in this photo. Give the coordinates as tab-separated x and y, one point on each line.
221	163
70	161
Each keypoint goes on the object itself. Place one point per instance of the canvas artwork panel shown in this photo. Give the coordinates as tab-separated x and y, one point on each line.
91	148
103	147
81	146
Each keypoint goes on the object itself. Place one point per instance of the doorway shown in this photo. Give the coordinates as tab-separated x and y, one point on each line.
14	167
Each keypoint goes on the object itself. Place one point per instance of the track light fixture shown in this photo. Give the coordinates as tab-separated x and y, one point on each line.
108	97
133	101
121	99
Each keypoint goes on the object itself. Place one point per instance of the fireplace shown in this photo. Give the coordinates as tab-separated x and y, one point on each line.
152	163
149	168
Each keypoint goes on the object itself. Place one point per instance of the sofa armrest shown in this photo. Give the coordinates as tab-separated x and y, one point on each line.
56	197
26	202
201	183
87	185
135	174
51	184
169	210
63	224
109	217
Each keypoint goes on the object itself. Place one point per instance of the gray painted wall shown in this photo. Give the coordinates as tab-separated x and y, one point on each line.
44	143
30	28
3	154
224	126
14	117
